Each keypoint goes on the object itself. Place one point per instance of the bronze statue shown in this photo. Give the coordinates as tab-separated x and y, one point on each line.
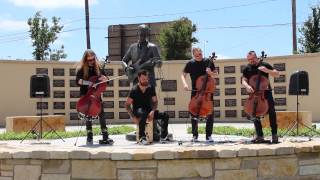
143	55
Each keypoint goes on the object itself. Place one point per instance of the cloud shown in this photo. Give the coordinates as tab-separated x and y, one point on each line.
221	56
51	4
13	25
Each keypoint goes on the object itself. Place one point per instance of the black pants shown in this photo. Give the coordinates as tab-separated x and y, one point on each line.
272	117
209	122
209	126
160	123
102	121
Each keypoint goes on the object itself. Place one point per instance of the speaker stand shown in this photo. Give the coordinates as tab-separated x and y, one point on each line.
297	122
33	130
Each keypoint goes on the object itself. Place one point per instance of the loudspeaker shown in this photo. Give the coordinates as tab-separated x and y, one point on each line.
39	86
299	83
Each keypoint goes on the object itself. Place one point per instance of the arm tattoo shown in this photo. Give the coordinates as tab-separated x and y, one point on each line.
154	105
129	109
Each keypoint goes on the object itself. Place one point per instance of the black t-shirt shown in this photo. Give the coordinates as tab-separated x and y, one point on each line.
197	69
142	100
79	75
251	70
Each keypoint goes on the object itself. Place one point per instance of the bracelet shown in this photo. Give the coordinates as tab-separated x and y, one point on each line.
84	82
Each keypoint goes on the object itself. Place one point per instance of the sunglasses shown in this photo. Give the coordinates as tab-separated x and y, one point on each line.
91	60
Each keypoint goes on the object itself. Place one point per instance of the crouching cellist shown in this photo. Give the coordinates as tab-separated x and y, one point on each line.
256	81
90	106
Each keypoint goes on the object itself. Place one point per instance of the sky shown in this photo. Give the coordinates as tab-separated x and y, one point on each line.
222	25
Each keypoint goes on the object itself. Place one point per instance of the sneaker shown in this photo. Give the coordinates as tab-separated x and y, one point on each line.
166	139
143	141
258	140
106	141
194	139
275	139
209	139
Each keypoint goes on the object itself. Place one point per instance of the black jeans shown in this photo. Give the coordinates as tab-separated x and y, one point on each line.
209	121
209	126
160	123
272	116
102	121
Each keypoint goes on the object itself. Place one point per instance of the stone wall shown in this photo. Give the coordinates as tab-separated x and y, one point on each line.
240	162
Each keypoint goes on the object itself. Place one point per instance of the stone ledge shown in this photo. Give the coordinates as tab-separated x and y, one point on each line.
163	153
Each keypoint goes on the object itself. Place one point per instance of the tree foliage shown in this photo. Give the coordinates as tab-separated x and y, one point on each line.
176	39
42	35
310	31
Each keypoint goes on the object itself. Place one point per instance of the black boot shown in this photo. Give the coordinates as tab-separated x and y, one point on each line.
105	139
89	138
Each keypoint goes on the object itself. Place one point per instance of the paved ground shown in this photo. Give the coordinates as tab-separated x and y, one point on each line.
178	130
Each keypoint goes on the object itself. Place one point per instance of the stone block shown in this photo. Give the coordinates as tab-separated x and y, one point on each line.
5	155
249	164
186	154
121	155
25	123
6	178
40	155
79	154
59	155
100	155
184	168
232	163
309	170
207	153
245	152
163	154
7	173
246	174
21	155
30	172
136	164
56	166
302	149
285	150
278	168
93	169
309	158
55	177
142	154
35	162
135	174
266	152
225	153
316	148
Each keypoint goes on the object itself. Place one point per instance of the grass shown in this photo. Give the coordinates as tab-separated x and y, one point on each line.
249	132
64	134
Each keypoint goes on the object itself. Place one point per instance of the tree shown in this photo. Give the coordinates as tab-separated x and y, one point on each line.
57	54
310	40
43	35
176	39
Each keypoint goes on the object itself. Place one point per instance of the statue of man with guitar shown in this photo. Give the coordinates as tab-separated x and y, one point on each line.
143	55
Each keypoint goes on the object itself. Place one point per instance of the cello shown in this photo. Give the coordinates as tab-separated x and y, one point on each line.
89	105
257	105
201	104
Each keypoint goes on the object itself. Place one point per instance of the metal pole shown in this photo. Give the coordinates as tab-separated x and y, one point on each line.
294	26
87	24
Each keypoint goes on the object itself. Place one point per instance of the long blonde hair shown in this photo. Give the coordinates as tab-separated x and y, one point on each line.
84	65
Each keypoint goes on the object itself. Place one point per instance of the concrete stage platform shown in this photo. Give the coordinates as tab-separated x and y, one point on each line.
127	160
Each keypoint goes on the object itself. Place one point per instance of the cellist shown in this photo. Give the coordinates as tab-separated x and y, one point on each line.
89	66
252	69
197	67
